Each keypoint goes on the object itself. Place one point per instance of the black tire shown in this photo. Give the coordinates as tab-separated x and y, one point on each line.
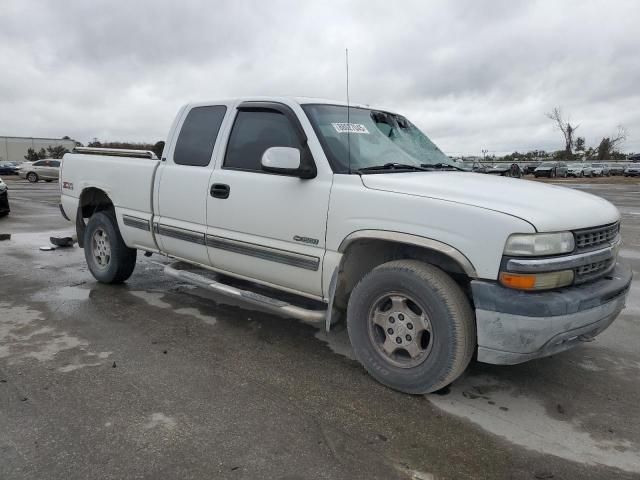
32	177
452	339
108	258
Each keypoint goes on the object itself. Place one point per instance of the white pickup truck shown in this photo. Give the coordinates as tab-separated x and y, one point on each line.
319	207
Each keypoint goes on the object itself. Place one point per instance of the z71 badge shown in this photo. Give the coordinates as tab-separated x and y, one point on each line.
67	185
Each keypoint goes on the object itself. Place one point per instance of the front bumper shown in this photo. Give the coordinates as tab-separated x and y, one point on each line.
514	326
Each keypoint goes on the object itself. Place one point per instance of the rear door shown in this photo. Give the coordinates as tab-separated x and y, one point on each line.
562	169
183	182
45	169
54	170
268	227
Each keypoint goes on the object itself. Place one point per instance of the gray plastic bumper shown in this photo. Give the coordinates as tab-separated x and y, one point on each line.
515	326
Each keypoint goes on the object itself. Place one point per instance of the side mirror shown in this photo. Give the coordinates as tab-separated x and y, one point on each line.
283	160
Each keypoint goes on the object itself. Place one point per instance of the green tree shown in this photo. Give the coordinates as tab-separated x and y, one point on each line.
56	152
580	144
31	155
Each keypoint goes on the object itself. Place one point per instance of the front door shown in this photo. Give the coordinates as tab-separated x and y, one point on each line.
267	227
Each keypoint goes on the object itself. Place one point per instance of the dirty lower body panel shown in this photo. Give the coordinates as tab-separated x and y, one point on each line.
514	327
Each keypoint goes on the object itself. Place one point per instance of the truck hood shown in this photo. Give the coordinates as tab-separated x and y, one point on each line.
547	207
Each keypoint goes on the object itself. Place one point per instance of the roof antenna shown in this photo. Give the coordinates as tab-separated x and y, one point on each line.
346	53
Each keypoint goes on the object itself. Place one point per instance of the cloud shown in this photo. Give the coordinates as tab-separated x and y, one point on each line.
473	75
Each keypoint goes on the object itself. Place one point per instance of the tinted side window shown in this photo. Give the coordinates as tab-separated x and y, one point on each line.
38	164
198	136
55	163
253	133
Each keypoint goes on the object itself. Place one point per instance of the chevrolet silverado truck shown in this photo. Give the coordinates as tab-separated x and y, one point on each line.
320	210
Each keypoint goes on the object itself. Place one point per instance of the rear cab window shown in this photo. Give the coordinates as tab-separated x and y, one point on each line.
198	135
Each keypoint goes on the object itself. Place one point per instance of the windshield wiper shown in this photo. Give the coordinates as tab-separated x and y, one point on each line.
391	166
441	166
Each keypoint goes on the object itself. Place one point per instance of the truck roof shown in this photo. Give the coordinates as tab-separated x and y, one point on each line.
296	99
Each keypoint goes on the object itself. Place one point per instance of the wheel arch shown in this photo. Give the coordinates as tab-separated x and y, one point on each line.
366	249
92	200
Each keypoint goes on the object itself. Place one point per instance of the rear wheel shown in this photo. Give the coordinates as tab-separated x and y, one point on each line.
32	177
411	326
108	258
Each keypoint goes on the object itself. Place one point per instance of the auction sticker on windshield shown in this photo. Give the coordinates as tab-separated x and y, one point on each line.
350	128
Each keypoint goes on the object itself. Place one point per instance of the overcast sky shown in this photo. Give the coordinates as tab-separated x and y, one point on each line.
472	74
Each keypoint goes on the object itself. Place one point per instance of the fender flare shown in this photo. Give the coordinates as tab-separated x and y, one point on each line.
409	239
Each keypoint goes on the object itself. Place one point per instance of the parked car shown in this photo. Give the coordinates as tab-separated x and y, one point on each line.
431	266
579	170
502	169
505	170
4	199
551	170
632	170
8	168
616	168
531	167
47	169
600	169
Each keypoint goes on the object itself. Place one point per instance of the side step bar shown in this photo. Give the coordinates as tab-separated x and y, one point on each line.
272	304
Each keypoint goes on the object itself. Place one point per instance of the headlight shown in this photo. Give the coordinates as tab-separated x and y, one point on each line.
539	244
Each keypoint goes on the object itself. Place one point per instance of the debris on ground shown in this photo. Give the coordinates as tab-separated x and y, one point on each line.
62	241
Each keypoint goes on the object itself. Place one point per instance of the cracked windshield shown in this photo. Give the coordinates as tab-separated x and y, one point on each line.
372	139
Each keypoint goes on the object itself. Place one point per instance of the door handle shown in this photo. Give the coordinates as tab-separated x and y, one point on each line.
220	190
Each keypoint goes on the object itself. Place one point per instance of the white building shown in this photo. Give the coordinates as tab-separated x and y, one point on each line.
13	149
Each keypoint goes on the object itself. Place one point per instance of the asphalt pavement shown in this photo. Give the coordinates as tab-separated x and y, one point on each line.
156	379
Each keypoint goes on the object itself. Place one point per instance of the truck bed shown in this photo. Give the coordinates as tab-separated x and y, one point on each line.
127	180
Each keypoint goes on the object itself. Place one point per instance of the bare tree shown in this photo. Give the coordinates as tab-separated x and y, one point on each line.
608	145
566	128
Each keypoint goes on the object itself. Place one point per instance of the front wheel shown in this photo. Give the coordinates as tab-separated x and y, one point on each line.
108	258
32	177
411	326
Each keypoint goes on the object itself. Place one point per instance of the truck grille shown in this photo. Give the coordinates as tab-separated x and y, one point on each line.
592	271
594	237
